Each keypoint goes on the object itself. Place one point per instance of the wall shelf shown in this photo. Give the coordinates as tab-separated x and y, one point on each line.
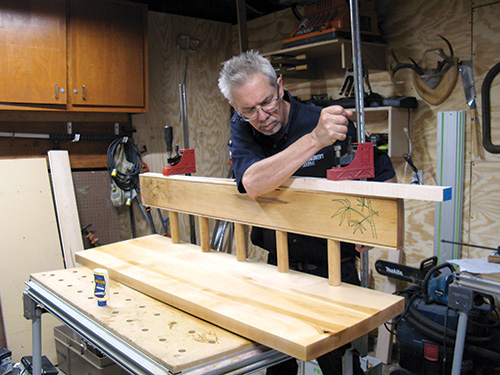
390	120
373	55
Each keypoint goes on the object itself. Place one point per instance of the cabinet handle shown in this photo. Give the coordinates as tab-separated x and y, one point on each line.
57	92
83	92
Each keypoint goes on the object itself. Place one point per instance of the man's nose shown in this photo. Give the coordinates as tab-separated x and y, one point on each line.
260	112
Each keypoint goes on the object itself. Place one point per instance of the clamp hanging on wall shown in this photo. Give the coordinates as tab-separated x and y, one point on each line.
486	110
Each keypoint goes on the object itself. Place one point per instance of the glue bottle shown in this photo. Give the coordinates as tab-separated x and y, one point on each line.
101	290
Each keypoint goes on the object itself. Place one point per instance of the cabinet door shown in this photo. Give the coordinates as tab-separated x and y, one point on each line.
107	53
33	51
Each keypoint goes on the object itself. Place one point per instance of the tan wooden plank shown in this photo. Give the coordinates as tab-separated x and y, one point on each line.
372	188
30	243
65	200
173	338
372	221
295	313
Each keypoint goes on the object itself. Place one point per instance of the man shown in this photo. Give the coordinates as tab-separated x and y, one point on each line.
275	137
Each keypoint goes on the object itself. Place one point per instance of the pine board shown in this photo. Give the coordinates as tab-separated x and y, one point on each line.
175	339
65	200
295	313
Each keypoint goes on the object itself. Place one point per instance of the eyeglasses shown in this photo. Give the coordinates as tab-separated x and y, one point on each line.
268	107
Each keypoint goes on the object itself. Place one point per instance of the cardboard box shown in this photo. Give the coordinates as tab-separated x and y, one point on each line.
77	358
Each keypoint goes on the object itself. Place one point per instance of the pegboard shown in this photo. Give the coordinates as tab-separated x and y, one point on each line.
92	190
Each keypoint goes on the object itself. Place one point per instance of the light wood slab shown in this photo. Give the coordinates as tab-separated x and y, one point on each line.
30	243
372	221
372	188
173	338
65	200
295	313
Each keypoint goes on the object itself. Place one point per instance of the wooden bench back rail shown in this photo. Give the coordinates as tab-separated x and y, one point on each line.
336	217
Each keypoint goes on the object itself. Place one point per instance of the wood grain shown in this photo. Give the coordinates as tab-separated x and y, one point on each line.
375	189
67	211
348	218
295	313
175	339
208	111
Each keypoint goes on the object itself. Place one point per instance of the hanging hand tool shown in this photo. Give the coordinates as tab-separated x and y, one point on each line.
181	161
486	109
467	74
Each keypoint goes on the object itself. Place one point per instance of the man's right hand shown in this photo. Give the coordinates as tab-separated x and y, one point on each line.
332	125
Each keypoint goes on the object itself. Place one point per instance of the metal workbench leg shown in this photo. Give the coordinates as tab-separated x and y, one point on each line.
459	343
34	312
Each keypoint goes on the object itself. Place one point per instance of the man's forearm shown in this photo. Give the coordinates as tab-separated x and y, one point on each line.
270	173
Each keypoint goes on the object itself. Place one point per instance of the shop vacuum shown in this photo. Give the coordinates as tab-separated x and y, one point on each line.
426	329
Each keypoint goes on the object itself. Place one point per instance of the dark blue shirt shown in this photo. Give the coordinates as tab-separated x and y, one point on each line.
249	146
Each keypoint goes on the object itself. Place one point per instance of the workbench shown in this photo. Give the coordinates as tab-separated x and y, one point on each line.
273	313
140	333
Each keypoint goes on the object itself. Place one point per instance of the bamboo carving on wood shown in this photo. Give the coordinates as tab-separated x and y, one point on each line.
360	217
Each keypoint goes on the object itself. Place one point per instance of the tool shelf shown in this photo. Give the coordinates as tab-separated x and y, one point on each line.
316	55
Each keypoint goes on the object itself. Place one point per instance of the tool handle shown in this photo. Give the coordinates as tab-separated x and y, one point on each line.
169	138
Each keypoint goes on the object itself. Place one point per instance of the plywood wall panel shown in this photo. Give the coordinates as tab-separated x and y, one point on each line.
208	112
485	204
486	44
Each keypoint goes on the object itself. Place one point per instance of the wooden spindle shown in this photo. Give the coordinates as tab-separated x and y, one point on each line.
174	226
239	236
334	261
282	251
204	235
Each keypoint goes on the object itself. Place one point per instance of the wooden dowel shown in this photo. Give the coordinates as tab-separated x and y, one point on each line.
204	236
174	226
334	262
282	251
239	236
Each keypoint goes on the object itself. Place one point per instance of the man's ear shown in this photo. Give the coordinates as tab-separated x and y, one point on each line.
280	85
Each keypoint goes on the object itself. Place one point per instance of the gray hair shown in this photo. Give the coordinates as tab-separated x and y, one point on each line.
239	69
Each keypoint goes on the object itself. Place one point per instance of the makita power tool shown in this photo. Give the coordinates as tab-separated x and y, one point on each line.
427	328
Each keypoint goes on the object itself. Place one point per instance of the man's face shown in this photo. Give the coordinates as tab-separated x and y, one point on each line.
256	93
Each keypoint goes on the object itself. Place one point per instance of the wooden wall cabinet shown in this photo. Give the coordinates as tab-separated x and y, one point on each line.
33	52
74	55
